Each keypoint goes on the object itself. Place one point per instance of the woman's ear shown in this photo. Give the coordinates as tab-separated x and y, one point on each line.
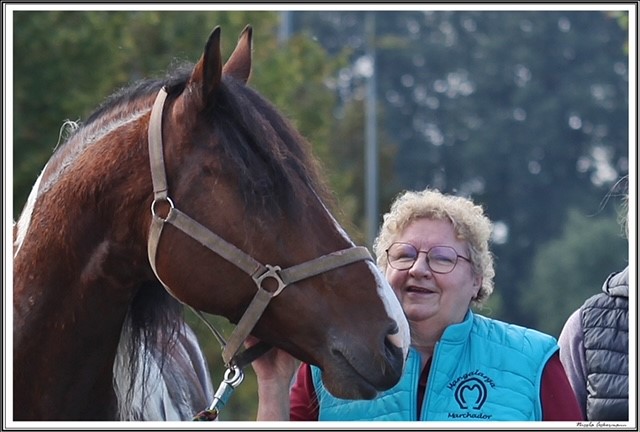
477	284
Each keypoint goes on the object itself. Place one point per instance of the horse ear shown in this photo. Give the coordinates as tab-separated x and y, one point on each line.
239	63
208	70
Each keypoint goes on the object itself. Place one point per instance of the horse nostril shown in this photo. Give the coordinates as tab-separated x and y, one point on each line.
393	328
395	360
393	342
394	336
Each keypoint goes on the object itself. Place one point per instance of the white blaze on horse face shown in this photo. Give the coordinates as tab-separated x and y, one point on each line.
402	338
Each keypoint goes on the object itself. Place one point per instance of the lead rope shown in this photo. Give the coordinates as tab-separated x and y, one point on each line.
233	376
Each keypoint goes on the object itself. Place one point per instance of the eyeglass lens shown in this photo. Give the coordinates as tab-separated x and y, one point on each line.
441	259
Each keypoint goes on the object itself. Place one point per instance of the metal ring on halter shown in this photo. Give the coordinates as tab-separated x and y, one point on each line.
271	272
153	208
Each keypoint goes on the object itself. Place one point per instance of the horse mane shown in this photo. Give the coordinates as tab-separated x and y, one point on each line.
271	160
151	328
175	80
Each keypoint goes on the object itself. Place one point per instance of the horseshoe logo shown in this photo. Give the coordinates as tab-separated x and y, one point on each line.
471	393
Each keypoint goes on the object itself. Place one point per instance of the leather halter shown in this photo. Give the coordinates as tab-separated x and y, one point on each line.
258	272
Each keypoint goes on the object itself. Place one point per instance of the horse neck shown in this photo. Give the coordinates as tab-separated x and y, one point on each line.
76	270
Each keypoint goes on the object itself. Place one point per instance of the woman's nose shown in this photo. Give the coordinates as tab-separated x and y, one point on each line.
420	267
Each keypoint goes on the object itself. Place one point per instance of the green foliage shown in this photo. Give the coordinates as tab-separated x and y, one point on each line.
571	268
347	168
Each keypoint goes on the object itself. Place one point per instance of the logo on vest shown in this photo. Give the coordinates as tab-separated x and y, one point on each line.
470	392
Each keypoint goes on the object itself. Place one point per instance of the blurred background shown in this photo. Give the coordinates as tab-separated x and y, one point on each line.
526	112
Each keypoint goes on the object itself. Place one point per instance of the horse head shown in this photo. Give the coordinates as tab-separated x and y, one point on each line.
241	171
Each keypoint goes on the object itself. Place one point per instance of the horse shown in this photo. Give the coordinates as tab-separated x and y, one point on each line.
173	193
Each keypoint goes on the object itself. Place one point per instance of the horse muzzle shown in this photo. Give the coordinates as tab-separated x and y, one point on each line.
355	372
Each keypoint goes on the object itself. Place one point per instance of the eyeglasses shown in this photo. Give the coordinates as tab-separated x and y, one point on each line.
440	259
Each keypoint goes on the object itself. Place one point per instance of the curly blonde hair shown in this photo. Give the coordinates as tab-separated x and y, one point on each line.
468	219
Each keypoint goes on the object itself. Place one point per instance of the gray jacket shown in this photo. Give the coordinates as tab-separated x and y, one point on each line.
594	350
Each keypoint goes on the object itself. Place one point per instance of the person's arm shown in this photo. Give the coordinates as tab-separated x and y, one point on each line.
559	402
273	401
573	359
274	371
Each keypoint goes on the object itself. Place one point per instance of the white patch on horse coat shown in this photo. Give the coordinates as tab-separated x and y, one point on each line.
25	217
174	390
115	124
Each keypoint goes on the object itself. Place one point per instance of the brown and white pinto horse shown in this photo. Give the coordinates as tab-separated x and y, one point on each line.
189	193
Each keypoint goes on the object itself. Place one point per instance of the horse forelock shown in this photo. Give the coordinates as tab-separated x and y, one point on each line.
275	169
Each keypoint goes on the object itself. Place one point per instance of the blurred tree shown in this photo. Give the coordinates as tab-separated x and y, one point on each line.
347	170
569	269
55	79
524	111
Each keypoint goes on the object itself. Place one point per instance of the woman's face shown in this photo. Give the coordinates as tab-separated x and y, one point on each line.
439	299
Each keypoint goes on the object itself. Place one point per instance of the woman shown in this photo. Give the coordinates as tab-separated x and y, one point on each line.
434	251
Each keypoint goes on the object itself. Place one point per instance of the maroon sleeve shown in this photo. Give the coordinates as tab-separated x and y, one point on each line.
559	402
304	403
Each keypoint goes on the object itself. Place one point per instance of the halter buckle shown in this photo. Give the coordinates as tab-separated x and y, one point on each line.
271	272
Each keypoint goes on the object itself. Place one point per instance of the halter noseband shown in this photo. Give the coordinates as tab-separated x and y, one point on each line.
258	272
